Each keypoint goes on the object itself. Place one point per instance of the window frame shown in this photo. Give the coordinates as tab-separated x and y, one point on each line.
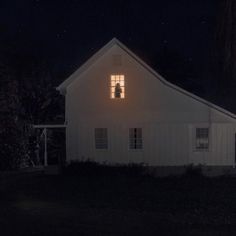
106	139
197	139
137	138
111	86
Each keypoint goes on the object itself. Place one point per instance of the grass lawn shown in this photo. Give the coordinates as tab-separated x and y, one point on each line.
117	204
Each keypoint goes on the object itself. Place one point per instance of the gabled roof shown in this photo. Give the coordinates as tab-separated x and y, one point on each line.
62	87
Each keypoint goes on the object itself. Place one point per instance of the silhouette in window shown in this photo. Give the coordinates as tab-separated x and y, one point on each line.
118	90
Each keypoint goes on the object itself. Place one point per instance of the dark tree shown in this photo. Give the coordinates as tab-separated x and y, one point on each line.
12	147
225	55
27	96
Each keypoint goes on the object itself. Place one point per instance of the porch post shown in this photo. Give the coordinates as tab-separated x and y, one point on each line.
45	148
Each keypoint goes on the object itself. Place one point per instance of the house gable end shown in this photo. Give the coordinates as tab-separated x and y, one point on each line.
114	42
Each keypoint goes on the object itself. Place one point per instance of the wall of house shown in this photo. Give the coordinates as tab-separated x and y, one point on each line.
167	117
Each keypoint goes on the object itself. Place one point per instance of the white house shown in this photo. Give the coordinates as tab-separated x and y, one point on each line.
119	110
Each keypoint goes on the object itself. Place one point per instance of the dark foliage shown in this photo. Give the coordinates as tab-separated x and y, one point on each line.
11	145
92	169
193	172
27	97
223	76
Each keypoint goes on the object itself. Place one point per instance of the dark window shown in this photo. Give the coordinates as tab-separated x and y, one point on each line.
135	138
101	139
202	138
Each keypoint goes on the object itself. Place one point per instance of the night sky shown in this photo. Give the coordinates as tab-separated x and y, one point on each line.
66	33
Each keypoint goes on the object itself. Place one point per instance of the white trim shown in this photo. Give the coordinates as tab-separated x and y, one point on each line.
49	126
135	149
62	87
45	127
195	127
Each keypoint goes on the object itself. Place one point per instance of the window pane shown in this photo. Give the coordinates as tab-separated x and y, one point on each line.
202	138
122	83
135	138
101	139
117	86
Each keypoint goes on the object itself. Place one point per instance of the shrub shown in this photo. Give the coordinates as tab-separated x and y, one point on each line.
193	171
92	168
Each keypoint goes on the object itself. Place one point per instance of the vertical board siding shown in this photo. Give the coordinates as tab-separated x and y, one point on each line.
163	145
221	147
166	116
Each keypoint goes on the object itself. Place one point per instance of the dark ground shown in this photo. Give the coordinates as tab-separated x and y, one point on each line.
33	204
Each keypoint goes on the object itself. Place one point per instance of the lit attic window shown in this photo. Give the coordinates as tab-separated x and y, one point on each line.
117	86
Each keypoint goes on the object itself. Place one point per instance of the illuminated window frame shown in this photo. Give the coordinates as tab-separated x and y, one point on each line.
115	79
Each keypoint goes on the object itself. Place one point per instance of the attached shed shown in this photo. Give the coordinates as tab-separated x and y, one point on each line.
119	110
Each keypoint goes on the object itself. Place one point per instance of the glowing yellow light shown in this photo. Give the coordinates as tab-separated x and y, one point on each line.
122	83
117	86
